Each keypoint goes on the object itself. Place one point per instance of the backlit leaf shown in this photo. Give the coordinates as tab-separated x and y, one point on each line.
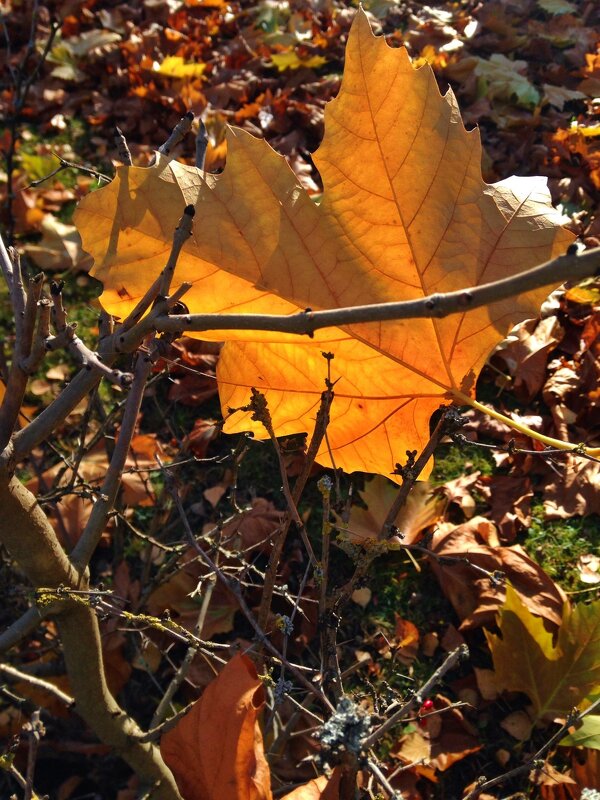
587	735
556	675
404	213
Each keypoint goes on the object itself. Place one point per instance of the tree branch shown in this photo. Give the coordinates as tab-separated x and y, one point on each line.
570	267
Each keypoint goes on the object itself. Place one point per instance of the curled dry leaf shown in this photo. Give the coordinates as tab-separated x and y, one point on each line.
474	597
574	491
510	499
216	751
525	354
404	213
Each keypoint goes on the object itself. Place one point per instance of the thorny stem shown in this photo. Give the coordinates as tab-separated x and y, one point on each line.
258	405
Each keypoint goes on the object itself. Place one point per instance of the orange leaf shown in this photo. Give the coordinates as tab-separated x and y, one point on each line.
404	213
322	788
216	751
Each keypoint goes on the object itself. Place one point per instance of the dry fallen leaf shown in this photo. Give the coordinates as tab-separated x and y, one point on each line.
575	490
422	509
474	597
216	751
556	675
451	739
404	213
322	788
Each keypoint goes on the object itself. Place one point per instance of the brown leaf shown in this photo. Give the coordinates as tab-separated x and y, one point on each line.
421	510
216	751
554	785
574	491
525	354
475	599
510	503
452	741
407	636
322	788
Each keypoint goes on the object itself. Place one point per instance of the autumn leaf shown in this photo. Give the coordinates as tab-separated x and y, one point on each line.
216	751
404	213
322	788
586	735
555	675
291	60
176	67
503	78
421	510
459	551
444	739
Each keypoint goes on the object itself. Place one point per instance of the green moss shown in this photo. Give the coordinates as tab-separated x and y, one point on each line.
557	545
451	461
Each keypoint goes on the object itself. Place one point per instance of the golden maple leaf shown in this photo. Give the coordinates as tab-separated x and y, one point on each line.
404	213
556	675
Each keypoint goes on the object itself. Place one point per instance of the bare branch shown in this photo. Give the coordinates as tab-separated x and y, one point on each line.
18	675
453	658
571	267
96	523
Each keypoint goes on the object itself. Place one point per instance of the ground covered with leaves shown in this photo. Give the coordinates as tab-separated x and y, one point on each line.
499	548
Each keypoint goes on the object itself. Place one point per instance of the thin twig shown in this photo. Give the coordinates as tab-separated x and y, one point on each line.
96	523
177	679
234	589
35	730
63	165
453	658
573	720
50	688
381	779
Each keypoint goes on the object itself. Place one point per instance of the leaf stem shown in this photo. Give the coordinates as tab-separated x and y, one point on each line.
549	441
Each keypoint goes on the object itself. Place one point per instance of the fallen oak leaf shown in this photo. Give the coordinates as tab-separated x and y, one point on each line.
419	220
216	751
